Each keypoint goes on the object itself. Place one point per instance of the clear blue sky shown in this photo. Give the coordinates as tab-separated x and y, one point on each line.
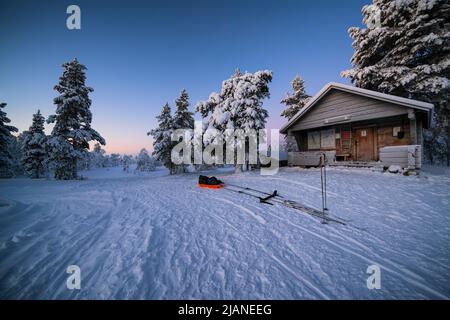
140	54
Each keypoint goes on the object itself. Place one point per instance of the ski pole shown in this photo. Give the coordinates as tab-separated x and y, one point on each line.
321	183
325	181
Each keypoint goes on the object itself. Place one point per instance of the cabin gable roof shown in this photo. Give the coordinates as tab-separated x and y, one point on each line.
393	101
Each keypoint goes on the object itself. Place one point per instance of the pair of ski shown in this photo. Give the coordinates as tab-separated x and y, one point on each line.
275	198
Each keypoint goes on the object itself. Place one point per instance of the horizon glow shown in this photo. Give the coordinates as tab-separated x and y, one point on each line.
140	55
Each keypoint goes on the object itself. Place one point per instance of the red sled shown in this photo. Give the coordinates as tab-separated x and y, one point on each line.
210	186
210	182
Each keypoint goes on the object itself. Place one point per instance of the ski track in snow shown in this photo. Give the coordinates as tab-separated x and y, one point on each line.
160	237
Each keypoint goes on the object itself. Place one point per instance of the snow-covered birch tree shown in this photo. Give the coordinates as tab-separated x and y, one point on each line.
405	51
72	131
34	148
5	144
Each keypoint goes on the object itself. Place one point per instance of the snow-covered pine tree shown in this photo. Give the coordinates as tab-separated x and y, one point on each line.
239	103
296	100
5	144
15	148
144	162
72	131
251	89
405	50
162	144
34	148
183	119
211	112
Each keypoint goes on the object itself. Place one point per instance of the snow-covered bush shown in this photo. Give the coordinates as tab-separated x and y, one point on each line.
145	162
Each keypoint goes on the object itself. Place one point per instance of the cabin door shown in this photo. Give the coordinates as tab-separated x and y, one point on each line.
364	144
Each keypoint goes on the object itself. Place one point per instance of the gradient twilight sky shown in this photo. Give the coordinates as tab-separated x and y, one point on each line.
141	54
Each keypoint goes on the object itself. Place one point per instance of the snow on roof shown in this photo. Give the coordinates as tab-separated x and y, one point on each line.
410	103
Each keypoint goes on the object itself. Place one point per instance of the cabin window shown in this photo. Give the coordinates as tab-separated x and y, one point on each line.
325	139
314	140
328	139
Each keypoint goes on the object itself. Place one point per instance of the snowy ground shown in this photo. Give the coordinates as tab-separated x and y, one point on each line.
161	237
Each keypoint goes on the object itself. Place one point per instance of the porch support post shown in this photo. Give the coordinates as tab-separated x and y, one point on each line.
412	126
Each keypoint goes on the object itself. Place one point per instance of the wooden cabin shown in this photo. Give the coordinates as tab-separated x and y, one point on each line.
359	126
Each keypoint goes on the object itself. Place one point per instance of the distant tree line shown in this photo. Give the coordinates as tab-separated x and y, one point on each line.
66	150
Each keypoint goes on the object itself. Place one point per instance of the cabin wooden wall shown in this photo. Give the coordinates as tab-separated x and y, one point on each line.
385	137
382	135
337	104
